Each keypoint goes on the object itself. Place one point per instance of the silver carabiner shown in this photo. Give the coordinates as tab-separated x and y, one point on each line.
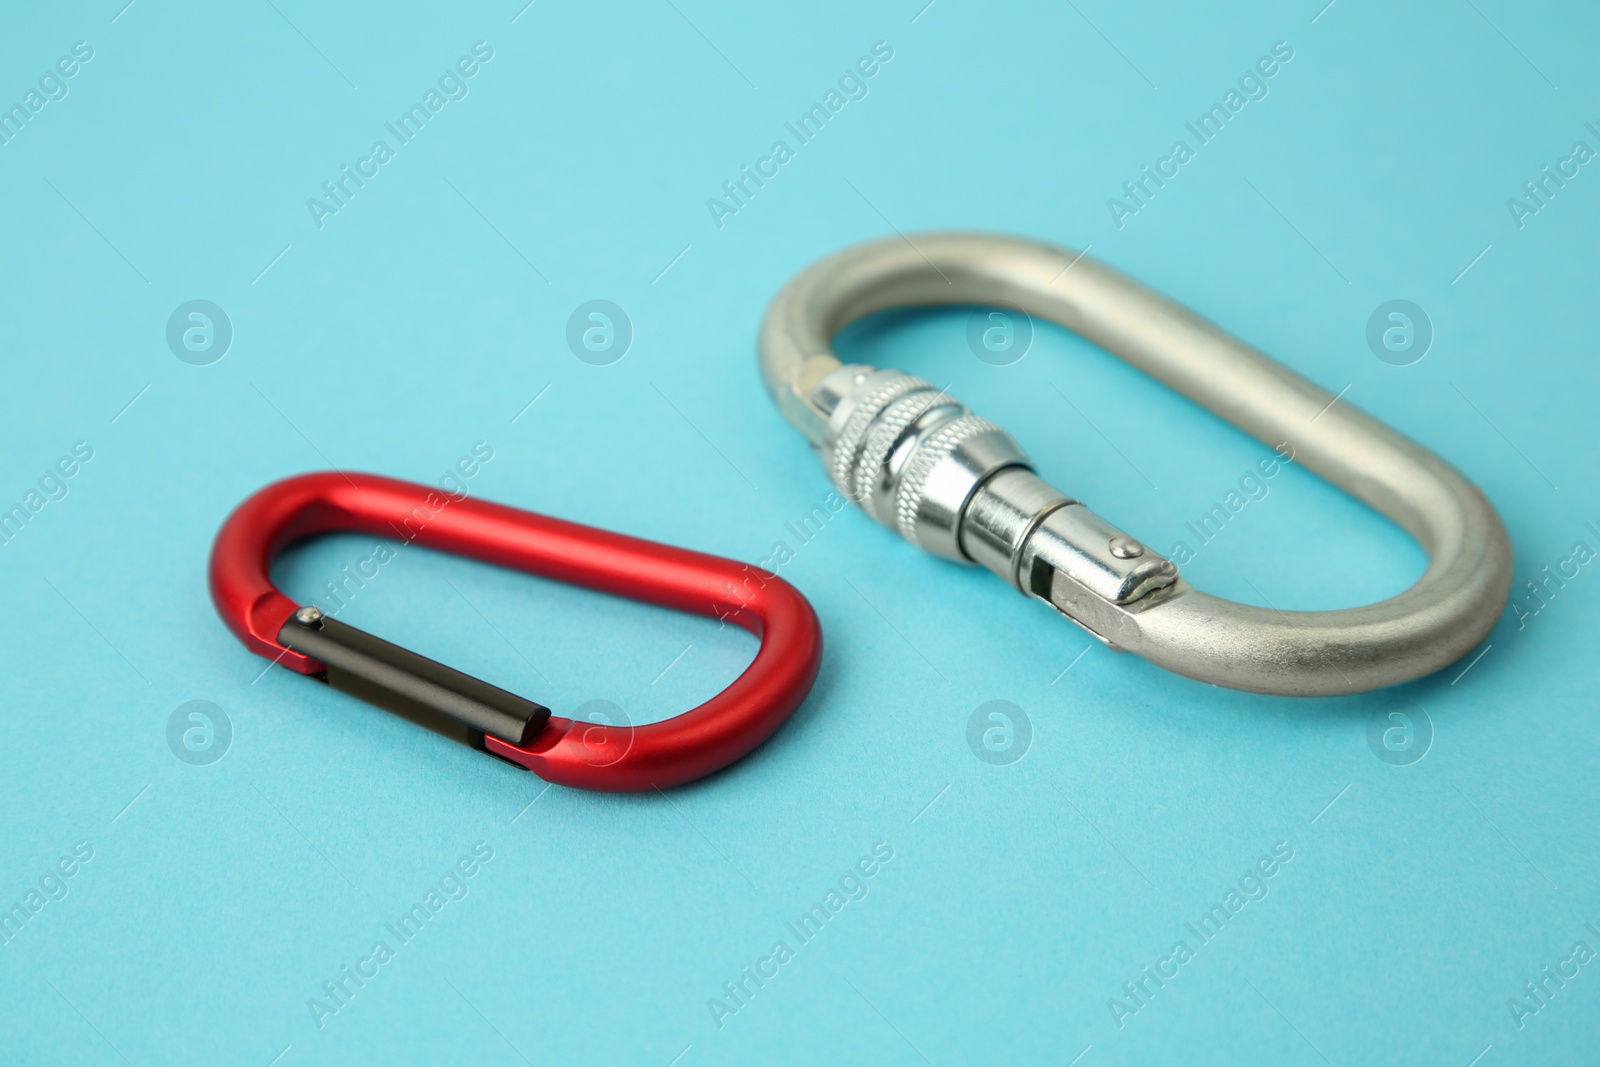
958	486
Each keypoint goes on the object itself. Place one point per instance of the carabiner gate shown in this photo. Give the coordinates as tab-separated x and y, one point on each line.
957	485
564	751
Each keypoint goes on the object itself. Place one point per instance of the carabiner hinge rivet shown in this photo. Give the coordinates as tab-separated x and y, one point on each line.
1126	548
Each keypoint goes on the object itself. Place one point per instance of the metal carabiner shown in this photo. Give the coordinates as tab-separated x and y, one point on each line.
957	485
564	751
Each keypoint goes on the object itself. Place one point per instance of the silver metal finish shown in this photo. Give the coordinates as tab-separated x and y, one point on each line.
1000	520
1126	548
908	453
309	615
919	462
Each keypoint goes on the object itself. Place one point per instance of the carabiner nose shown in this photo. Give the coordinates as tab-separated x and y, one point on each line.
957	485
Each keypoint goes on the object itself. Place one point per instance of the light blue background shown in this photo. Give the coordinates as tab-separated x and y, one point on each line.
1020	898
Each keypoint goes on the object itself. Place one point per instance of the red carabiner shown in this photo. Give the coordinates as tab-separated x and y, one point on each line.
568	752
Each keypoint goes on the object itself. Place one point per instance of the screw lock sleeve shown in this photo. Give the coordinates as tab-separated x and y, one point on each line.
910	454
919	462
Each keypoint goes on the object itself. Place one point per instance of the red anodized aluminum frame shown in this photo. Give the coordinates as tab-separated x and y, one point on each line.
586	755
